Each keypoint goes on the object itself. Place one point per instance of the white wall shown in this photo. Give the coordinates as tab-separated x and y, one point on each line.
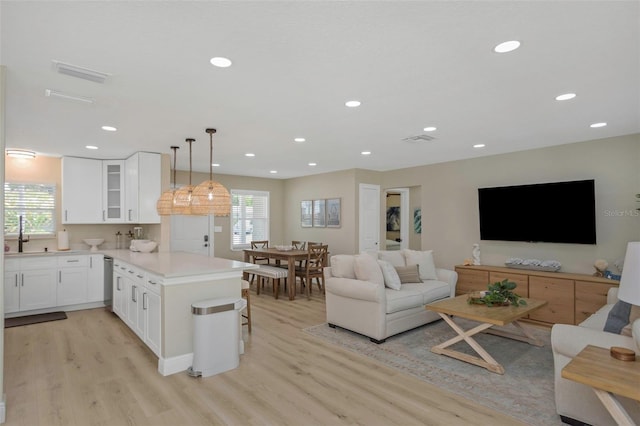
450	222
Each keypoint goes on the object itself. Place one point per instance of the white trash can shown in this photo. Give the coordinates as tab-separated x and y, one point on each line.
216	336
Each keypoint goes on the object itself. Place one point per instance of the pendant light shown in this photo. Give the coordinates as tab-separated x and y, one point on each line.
184	195
211	197
164	205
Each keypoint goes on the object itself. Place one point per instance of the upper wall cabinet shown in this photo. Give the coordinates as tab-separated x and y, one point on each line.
111	191
142	187
81	190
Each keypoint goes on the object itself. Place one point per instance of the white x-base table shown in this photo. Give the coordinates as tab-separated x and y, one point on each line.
488	318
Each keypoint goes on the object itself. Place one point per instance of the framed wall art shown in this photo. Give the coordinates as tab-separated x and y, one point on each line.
319	214
306	214
333	213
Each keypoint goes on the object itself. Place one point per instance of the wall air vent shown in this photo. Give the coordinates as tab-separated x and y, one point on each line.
69	97
80	72
418	138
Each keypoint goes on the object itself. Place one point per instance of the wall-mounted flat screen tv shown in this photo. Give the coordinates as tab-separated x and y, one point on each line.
558	212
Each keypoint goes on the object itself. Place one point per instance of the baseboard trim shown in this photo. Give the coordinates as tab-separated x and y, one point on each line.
176	364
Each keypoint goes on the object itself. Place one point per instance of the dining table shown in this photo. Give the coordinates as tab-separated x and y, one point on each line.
290	256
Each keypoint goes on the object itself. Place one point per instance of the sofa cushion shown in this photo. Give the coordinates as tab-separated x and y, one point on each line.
391	278
367	269
424	260
431	290
342	266
405	298
408	274
394	257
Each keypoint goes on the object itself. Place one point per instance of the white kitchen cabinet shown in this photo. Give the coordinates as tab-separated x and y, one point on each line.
81	190
38	283
11	285
119	295
113	191
152	310
143	186
72	280
95	278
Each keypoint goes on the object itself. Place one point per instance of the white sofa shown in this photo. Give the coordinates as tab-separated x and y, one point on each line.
369	308
576	401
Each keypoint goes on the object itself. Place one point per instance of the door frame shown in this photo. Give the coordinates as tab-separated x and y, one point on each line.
404	214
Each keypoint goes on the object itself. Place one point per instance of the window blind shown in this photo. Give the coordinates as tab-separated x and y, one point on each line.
249	217
35	202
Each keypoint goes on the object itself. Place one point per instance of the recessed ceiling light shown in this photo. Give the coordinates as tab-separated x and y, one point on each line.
216	165
352	104
91	147
299	140
429	129
249	154
479	145
565	97
507	46
366	153
273	172
109	128
313	164
220	62
596	125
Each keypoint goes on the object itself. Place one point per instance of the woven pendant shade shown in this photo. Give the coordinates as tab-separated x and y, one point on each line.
210	197
164	206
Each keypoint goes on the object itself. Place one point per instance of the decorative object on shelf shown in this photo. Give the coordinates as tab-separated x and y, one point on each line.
467	262
601	266
164	206
183	195
211	197
94	243
498	294
533	264
476	254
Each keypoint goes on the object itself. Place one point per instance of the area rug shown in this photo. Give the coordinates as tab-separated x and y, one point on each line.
524	392
34	319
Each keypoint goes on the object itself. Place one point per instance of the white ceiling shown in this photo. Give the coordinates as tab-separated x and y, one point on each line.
411	64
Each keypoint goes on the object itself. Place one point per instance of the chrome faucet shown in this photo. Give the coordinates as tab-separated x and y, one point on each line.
20	237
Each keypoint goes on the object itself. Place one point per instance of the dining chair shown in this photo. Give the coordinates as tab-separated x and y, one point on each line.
313	268
246	295
258	259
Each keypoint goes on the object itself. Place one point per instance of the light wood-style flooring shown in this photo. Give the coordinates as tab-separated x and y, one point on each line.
90	369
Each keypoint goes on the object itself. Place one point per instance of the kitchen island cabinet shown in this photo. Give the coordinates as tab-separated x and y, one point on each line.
153	294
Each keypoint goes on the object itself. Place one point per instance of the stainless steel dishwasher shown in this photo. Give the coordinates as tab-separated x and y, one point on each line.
108	282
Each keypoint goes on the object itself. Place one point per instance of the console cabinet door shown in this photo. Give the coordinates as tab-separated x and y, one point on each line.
558	293
522	281
470	280
589	298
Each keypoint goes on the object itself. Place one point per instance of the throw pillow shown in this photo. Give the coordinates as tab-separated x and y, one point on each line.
394	257
618	317
408	274
367	269
391	278
424	260
342	266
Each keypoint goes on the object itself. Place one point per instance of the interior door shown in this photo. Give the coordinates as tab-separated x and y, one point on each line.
192	234
369	217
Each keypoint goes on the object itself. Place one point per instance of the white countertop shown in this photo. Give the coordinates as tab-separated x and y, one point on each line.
178	264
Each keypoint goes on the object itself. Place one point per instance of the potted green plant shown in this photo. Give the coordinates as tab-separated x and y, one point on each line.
498	294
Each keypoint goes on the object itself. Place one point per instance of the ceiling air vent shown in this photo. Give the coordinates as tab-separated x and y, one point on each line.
80	72
67	96
418	138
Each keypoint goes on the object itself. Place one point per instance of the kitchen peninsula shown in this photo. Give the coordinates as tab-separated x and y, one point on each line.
153	294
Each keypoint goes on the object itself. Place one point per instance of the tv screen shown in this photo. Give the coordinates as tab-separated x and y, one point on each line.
559	212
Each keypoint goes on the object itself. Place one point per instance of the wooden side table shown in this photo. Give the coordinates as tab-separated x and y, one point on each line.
595	367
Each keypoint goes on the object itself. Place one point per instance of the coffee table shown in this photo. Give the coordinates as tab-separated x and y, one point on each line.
488	317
